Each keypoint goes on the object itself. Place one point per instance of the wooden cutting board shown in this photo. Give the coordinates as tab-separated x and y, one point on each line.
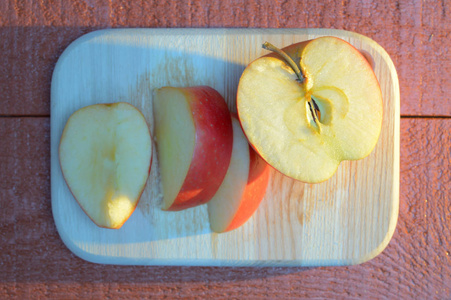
348	219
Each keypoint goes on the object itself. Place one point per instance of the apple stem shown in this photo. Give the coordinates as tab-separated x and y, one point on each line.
287	58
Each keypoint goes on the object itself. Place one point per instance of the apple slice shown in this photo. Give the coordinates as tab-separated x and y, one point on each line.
243	188
105	154
194	138
311	106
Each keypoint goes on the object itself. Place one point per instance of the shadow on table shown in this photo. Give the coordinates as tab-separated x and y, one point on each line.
127	65
46	259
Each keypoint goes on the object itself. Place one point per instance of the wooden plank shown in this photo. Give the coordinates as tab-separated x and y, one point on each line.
345	220
415	34
28	60
36	264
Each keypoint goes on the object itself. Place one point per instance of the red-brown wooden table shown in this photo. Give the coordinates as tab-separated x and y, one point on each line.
35	263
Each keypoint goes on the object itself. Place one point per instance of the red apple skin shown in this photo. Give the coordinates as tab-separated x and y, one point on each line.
140	194
255	190
212	150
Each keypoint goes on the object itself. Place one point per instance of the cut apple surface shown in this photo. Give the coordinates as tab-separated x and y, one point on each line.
243	188
310	106
105	155
194	138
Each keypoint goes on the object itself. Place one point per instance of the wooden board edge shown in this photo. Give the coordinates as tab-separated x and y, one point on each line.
396	157
85	255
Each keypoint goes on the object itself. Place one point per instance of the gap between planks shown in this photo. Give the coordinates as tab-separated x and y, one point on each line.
402	117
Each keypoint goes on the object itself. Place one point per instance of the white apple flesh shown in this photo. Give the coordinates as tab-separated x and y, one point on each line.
194	138
243	188
105	155
304	127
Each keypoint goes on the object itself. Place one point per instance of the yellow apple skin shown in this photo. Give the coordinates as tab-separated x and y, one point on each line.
102	203
212	149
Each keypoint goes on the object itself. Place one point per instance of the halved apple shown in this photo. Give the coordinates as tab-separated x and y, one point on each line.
310	106
194	138
105	154
243	188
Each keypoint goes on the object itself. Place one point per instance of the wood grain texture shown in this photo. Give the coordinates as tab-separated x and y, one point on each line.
346	220
414	33
34	263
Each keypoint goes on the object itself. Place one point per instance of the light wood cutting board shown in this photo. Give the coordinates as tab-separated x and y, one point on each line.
348	219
